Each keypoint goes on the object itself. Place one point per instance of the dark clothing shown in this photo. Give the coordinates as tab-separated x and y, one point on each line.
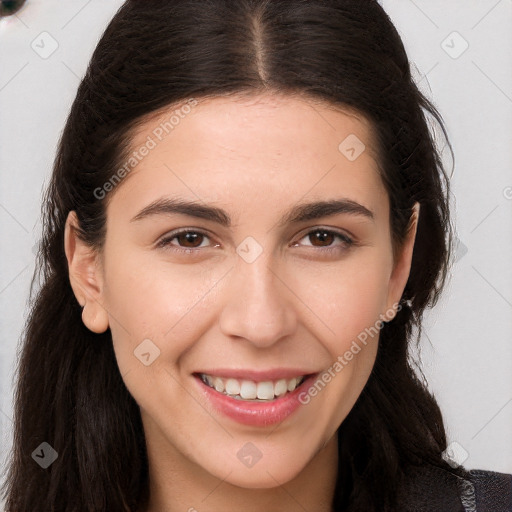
432	489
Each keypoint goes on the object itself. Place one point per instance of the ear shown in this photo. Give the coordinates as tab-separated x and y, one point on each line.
85	276
402	265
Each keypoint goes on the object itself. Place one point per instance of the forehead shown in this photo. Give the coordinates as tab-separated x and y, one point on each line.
250	121
254	149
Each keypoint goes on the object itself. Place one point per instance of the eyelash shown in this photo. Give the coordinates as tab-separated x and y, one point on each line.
165	242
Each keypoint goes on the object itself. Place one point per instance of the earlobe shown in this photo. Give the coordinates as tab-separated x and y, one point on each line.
85	276
95	317
402	267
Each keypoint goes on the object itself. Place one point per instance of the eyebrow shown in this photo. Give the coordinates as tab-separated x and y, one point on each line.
301	212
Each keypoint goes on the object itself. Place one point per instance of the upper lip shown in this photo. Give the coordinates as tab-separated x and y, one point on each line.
257	375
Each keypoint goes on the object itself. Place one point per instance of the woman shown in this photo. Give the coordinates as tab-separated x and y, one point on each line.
247	217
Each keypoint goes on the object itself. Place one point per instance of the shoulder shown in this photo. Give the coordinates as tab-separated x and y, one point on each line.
491	490
429	488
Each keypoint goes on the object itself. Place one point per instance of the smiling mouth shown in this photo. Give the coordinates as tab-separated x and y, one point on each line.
252	391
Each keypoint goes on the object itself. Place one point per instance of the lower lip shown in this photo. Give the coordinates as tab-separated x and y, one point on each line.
257	414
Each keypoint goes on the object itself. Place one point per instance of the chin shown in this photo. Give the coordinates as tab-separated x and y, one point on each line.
265	473
266	477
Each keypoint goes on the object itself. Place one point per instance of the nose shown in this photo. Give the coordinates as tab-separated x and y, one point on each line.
257	305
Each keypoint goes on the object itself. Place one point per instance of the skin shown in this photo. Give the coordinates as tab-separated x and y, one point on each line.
296	305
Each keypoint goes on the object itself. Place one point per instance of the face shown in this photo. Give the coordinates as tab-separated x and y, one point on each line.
251	294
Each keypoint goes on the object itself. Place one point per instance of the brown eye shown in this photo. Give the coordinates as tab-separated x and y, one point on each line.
190	239
325	238
184	241
322	242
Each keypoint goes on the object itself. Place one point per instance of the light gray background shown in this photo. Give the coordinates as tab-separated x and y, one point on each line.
467	344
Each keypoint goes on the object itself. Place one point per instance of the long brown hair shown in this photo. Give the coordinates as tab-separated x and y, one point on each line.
156	53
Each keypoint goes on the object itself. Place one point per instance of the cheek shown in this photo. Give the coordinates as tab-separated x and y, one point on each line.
156	300
345	299
172	304
349	307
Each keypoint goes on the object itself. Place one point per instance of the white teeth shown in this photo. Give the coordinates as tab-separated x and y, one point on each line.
265	390
250	390
232	387
292	384
218	384
280	387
